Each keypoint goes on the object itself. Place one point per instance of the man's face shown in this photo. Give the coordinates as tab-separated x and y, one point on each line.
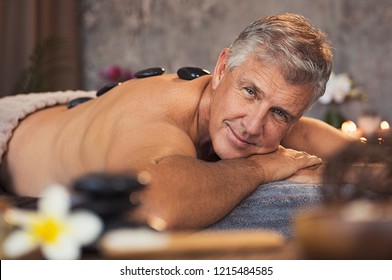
253	108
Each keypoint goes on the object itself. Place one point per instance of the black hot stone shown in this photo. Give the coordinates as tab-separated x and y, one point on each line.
190	73
105	186
150	72
106	88
105	208
77	101
106	195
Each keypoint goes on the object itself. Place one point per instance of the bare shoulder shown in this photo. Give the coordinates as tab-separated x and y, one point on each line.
316	137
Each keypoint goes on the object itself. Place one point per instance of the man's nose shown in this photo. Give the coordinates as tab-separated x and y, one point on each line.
255	120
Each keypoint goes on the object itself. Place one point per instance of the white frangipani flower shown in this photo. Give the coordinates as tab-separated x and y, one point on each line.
337	89
59	233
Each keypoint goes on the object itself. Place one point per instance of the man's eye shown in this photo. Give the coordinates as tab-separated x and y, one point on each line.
280	113
250	91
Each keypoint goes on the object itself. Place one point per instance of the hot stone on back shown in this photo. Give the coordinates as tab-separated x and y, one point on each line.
150	72
77	101
106	88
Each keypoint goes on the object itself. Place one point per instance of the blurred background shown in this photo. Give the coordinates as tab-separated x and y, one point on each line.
48	45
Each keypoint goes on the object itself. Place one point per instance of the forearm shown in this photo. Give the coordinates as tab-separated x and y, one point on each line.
189	193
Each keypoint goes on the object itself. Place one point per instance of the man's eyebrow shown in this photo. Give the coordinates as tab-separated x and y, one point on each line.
257	89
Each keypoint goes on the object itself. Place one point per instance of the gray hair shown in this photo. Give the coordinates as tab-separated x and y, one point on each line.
301	50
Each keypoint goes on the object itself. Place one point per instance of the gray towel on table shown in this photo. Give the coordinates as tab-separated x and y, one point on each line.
272	206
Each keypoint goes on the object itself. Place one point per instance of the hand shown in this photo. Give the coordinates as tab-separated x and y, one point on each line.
284	163
310	175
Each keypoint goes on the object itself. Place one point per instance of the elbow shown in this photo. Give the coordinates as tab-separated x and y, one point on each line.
173	220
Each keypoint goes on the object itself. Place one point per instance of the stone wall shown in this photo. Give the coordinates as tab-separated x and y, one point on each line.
137	34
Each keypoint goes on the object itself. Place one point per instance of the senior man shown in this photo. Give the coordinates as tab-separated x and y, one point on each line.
207	142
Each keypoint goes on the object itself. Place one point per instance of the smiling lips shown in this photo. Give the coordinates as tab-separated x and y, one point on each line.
240	141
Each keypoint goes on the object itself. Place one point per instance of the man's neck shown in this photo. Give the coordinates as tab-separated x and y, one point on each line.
202	118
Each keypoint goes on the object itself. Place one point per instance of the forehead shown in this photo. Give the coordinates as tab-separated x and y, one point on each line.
269	81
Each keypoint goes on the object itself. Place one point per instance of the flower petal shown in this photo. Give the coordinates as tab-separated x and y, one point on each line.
326	98
344	82
339	96
19	217
85	226
18	243
55	200
65	249
330	87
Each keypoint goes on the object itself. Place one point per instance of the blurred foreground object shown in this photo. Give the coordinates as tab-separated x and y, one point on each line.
360	171
356	230
109	196
53	228
355	221
145	243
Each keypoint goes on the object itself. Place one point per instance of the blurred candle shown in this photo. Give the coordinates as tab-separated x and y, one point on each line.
363	139
384	125
350	128
384	131
369	122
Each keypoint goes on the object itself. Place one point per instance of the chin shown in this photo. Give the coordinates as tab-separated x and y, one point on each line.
230	153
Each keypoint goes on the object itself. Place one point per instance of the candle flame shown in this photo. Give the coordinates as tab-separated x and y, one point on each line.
349	127
384	125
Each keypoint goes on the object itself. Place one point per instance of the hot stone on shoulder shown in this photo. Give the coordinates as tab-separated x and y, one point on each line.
190	73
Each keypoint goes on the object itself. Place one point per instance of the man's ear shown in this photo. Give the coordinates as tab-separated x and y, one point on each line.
220	68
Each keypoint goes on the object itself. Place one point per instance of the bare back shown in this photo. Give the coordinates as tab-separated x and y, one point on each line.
125	130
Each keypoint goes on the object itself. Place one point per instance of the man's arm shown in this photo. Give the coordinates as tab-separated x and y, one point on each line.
316	137
185	192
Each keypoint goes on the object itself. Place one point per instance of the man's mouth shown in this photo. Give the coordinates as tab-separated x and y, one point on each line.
238	138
